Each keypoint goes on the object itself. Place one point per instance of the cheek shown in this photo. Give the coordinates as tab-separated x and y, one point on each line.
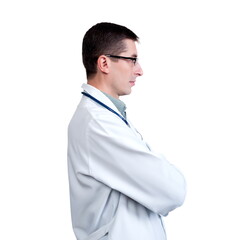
127	73
125	78
124	74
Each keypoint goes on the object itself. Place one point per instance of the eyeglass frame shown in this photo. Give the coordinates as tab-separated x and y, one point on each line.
133	59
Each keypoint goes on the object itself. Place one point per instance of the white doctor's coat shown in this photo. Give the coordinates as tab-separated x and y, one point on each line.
119	189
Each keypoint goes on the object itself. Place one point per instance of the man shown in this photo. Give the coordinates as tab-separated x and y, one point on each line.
119	188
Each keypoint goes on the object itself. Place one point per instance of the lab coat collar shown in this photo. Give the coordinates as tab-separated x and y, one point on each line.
99	95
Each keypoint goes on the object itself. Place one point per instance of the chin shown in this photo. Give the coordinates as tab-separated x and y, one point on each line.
125	93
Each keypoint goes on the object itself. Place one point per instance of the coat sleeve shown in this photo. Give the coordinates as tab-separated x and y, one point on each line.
119	159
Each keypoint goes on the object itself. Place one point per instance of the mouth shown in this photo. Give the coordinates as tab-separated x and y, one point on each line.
132	83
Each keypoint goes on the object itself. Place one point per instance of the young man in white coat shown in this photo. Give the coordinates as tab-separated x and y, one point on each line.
119	188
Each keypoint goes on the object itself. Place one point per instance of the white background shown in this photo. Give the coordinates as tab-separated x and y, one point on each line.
186	106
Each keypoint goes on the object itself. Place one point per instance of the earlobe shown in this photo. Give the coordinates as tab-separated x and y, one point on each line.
103	64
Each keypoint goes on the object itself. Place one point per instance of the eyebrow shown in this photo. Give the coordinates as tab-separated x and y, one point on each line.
134	55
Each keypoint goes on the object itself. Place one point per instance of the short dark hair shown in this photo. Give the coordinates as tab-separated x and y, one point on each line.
103	38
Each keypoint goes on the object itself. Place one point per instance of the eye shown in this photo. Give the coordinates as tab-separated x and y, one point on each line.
134	60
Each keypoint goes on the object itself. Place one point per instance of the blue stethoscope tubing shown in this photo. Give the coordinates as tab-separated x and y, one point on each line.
105	106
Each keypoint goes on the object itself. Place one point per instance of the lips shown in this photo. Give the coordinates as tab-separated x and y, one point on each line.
132	83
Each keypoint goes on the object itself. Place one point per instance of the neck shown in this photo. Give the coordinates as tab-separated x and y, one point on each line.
102	85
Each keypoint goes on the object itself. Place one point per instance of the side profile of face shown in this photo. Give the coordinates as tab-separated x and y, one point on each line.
123	72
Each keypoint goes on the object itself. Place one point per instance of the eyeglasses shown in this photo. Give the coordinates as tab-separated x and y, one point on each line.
133	59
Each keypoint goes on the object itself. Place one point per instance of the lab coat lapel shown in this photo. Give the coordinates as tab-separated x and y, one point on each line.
100	96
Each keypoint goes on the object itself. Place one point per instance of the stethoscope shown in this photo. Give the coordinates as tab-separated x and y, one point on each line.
105	106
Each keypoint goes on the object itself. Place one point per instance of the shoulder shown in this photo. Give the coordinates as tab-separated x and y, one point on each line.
88	114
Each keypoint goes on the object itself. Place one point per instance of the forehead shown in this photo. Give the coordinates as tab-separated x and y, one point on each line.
130	47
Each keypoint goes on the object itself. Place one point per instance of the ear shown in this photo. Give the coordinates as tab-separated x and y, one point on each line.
103	64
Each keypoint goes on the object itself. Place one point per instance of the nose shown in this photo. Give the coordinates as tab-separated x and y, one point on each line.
138	70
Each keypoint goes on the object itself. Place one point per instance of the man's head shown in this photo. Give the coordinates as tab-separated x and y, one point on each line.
103	38
105	44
